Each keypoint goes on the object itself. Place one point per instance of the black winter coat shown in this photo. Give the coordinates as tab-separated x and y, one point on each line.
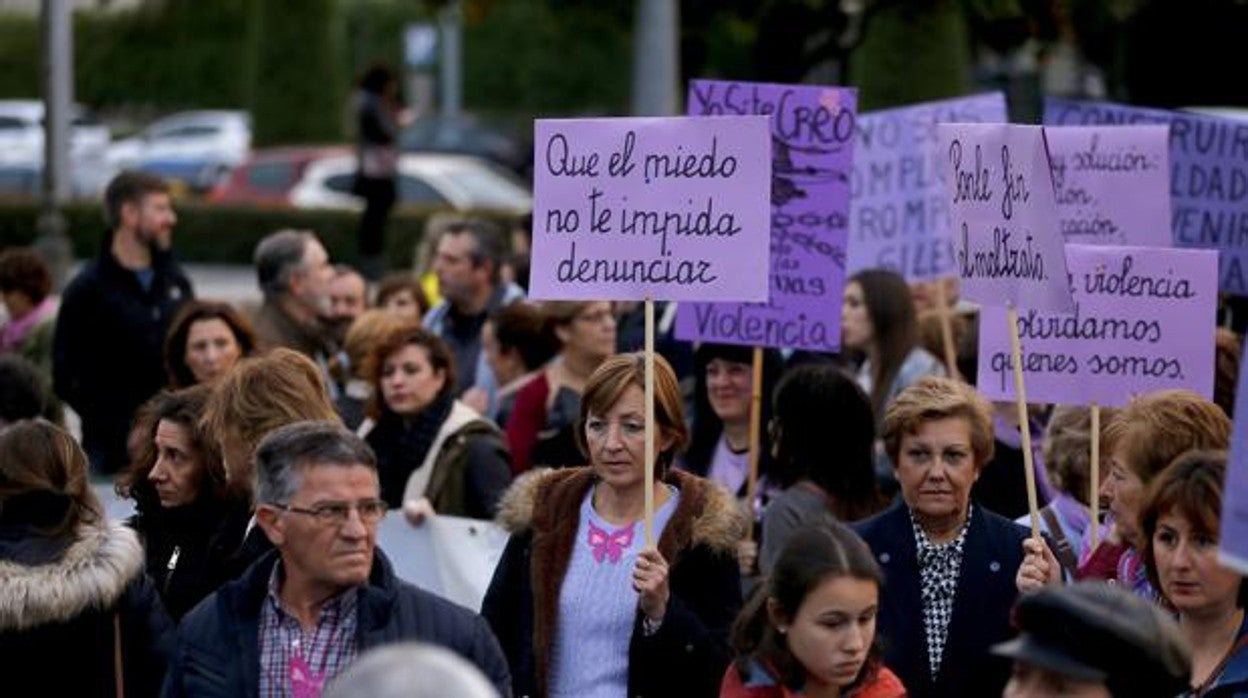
688	655
217	651
107	353
188	549
59	600
982	604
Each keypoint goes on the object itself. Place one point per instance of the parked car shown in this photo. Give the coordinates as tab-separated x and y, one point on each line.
268	176
22	144
318	177
199	148
466	136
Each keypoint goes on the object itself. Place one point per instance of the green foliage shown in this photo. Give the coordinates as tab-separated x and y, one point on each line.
912	53
298	82
228	235
19	56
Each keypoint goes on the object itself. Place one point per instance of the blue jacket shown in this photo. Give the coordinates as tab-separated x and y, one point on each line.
435	322
217	651
1233	681
981	608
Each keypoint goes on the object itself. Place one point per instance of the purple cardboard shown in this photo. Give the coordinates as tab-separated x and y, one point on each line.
666	208
899	203
1208	177
1233	543
812	132
1112	184
1143	321
1004	216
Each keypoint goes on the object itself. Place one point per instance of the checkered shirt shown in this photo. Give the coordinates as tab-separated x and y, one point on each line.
939	566
328	649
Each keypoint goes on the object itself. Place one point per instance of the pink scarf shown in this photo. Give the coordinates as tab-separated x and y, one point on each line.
15	331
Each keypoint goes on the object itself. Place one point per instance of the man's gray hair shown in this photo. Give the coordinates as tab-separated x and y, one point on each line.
278	256
489	242
285	451
411	670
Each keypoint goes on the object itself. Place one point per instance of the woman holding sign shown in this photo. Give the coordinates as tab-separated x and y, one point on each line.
811	628
948	563
1180	522
580	604
1141	441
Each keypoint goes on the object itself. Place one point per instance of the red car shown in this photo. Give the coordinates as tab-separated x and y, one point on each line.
267	177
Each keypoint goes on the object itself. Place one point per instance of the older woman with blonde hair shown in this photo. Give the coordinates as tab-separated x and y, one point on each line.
948	563
581	603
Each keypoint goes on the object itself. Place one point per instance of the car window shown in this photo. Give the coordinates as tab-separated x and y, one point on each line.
270	176
487	189
194	131
9	123
341	183
413	190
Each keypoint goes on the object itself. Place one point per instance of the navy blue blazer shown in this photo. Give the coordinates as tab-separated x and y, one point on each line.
981	607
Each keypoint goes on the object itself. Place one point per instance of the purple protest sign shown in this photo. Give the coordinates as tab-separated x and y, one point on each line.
899	198
1004	216
665	208
1112	184
1233	544
812	131
1143	321
1208	177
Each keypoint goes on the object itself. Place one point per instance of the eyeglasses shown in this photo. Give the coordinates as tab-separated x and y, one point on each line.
337	513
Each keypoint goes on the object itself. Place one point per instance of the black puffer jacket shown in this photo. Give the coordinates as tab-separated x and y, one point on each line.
59	601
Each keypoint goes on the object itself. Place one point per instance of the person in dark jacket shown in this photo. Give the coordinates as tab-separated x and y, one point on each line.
949	563
379	118
319	504
71	582
189	517
581	603
434	453
110	331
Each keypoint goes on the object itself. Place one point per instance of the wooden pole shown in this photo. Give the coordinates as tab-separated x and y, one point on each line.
946	330
649	397
756	418
1094	497
1024	424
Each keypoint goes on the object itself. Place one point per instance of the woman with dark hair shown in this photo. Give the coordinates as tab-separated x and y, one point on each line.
516	345
1181	522
878	319
77	615
581	604
434	453
810	629
719	448
379	118
816	405
205	340
25	284
541	427
188	516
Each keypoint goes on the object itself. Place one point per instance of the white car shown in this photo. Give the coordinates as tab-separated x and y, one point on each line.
462	182
21	149
198	147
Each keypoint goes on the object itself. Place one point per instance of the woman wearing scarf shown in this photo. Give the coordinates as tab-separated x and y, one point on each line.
434	453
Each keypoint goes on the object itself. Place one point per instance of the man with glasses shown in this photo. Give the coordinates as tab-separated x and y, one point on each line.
301	614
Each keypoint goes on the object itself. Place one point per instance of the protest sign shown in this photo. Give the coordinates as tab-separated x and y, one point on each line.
1143	321
812	140
1112	184
662	208
899	205
1208	177
1004	216
1233	543
450	556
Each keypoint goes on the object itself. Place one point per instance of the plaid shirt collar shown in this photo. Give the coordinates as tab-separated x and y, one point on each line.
339	606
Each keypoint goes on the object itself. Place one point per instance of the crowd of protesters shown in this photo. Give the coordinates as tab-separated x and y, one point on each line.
876	556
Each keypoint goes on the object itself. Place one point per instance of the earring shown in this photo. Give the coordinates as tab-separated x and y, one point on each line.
783	629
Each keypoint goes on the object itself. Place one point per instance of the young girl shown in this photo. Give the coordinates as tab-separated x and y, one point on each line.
810	630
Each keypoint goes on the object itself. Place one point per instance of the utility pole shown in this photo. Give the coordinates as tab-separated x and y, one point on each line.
451	65
58	97
656	58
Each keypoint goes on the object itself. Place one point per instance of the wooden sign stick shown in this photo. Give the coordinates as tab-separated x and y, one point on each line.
1024	424
946	330
1095	474
649	398
756	418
